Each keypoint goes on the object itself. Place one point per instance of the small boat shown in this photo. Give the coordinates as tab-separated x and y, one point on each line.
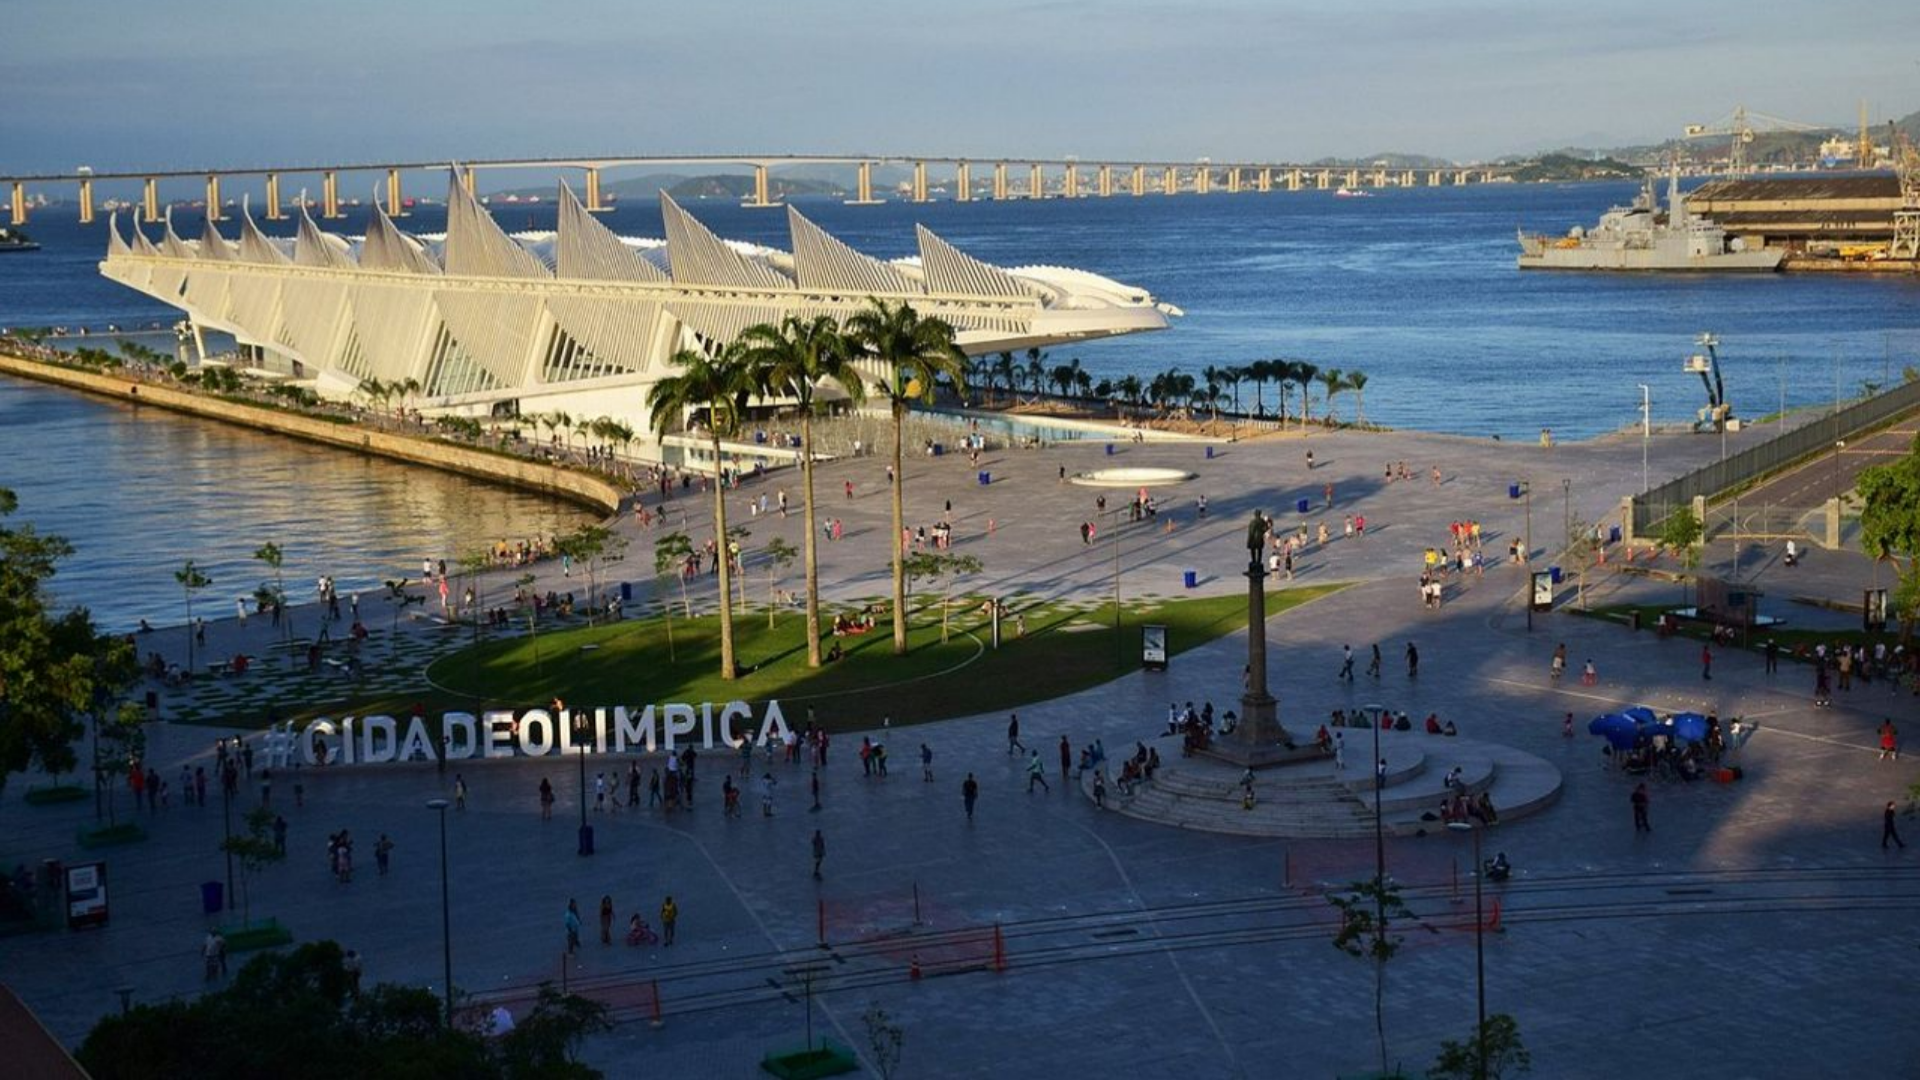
15	240
1352	193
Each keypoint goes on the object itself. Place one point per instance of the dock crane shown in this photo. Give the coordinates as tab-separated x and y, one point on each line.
1739	127
1906	219
1715	416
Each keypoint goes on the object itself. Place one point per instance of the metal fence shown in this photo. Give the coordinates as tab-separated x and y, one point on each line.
1716	478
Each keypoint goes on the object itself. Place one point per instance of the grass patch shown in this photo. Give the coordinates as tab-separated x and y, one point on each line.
54	793
125	832
630	663
828	1059
267	934
1789	639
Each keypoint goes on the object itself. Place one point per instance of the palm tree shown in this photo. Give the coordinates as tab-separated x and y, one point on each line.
1129	389
717	385
1004	369
1357	382
1304	374
914	352
1062	378
1036	369
1259	372
1333	381
1234	376
792	360
1082	381
1214	376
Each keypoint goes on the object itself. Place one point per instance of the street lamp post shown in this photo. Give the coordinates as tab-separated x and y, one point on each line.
1479	948
580	733
1646	431
446	917
226	825
1379	828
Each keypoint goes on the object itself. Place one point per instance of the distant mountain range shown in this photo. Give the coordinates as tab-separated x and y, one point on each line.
706	186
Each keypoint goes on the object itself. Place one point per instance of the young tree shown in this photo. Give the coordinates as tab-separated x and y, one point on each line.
270	554
1368	910
545	1043
1681	532
795	360
915	353
191	581
472	564
254	851
1500	1035
718	385
588	546
780	555
119	745
937	567
1304	374
670	555
884	1040
1332	381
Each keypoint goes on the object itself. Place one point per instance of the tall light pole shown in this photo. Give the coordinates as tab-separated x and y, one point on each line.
1479	947
1379	828
1646	431
580	732
228	780
446	917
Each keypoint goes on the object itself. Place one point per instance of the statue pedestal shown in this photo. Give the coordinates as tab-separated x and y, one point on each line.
1258	739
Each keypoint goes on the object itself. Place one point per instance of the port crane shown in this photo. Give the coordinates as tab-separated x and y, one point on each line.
1906	219
1707	366
1740	127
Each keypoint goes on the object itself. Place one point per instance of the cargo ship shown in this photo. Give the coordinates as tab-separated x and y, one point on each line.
1639	238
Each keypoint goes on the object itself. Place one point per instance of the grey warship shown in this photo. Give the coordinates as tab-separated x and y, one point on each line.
1638	238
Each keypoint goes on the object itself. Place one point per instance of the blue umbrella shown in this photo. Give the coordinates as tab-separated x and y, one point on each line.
1689	727
1641	715
1620	731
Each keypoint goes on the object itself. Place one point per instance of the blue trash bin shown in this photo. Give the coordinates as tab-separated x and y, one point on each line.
1513	491
1109	449
1191	579
985	479
213	897
1555	572
1613	534
1209	453
939	449
1301	506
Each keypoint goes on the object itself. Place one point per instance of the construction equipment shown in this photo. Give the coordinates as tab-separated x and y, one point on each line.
1739	127
1906	220
1715	416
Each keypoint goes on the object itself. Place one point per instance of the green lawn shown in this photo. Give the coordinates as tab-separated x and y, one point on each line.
1787	636
1066	648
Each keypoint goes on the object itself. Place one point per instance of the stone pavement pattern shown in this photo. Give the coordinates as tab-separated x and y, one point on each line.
1699	950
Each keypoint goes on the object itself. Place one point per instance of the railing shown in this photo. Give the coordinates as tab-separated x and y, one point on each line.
1716	478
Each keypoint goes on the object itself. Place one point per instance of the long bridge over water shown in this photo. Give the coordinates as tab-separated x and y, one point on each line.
1012	178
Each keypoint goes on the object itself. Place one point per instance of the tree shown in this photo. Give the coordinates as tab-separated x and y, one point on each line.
1004	370
588	546
271	554
472	565
1332	381
1129	389
254	850
938	566
1501	1037
718	385
915	353
119	745
780	555
1890	528
1368	910
543	1045
1234	376
1681	532
191	581
1304	373
884	1040
670	553
1036	370
795	360
1357	382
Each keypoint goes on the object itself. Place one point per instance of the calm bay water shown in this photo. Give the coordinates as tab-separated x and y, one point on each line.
1417	288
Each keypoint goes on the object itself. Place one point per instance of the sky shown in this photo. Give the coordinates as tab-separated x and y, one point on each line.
200	83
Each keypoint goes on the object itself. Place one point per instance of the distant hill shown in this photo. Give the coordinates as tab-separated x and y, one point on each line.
1390	160
1557	167
713	186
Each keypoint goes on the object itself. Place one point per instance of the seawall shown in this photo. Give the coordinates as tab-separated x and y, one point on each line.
576	487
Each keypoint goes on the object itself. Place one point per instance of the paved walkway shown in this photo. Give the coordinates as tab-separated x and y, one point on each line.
1128	946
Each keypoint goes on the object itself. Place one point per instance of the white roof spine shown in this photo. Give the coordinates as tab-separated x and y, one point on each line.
213	246
950	270
254	245
823	262
476	245
116	245
386	248
312	248
170	243
141	245
697	257
590	251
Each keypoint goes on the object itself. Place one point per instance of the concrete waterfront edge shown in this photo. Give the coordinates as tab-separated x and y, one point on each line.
536	476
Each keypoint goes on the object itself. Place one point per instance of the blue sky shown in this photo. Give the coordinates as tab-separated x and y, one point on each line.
133	83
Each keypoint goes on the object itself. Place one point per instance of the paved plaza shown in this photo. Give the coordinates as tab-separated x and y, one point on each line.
1054	938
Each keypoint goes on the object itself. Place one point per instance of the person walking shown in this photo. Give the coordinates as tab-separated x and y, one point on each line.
279	834
1413	660
1559	662
382	854
669	918
1013	735
767	783
1640	800
1373	666
1706	661
1889	741
1066	759
926	764
459	792
1773	656
606	920
970	794
1037	774
572	923
1339	750
1887	831
819	852
815	782
1346	662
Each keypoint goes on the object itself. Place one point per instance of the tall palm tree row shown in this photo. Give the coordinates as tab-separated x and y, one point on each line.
915	352
1357	382
1304	374
794	360
1333	381
720	385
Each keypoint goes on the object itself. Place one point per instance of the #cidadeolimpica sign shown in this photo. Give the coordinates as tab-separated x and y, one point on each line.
507	733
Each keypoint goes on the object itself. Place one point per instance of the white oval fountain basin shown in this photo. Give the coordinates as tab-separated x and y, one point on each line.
1135	477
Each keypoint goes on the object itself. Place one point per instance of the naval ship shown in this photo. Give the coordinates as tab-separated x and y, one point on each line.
1638	237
